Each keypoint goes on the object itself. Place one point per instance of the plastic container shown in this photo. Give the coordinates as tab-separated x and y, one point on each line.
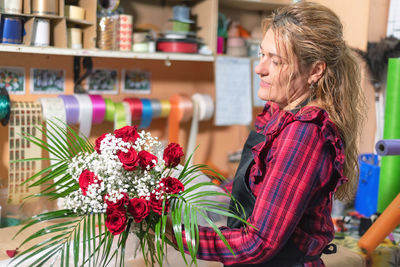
367	193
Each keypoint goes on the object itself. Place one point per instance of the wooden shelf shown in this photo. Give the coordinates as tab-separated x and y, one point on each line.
255	5
103	53
32	16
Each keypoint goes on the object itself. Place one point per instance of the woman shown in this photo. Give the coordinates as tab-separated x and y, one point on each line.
304	149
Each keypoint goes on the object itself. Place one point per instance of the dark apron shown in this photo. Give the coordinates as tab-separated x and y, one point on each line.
289	255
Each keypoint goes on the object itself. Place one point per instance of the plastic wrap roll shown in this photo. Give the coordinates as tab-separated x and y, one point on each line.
388	147
389	182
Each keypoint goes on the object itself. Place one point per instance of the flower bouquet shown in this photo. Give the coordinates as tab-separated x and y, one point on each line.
126	183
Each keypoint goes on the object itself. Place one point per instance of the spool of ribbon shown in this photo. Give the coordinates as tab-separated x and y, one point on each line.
156	107
53	109
181	111
71	108
45	7
85	114
14	6
99	108
74	38
136	107
110	110
203	109
147	113
122	115
11	30
5	106
388	147
165	108
41	32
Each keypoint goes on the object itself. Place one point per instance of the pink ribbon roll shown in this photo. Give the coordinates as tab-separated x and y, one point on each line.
99	108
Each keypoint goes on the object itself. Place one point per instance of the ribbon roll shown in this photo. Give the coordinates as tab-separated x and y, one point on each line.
5	107
11	30
165	108
53	109
388	147
71	108
99	108
110	110
135	106
85	114
156	108
181	111
203	109
41	32
147	113
122	115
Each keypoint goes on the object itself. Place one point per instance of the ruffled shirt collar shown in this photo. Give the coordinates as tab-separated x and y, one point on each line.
273	119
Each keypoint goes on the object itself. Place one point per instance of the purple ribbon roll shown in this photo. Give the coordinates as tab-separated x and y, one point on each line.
11	30
99	108
388	147
71	108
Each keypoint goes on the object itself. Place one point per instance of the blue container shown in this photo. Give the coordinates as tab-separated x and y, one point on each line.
367	193
11	30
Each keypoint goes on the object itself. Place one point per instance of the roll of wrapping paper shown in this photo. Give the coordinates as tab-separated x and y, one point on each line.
11	30
24	118
389	147
181	111
45	7
382	227
106	31
389	182
203	109
110	110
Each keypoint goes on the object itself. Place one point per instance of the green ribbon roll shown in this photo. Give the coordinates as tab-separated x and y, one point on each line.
120	116
389	181
110	110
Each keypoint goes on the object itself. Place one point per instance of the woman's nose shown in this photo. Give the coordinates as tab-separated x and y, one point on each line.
262	68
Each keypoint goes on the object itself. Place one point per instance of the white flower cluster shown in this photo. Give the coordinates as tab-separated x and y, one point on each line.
112	179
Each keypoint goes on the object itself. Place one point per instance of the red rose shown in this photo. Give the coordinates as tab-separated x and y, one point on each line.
146	159
115	221
156	204
85	179
139	208
120	204
172	155
172	185
127	133
129	160
98	143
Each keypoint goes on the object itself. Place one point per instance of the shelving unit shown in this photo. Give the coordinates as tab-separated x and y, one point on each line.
158	13
103	53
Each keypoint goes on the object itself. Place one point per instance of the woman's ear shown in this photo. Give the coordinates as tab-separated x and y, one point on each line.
316	71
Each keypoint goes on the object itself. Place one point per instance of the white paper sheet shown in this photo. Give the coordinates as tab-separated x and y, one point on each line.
233	91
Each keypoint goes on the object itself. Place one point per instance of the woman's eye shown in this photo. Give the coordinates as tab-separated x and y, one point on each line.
260	54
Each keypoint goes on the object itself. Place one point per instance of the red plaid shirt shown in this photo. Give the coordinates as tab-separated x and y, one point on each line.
296	171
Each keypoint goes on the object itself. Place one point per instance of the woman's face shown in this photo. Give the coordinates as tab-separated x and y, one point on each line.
274	71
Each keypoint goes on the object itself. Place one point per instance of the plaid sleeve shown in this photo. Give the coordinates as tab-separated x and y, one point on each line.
292	166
